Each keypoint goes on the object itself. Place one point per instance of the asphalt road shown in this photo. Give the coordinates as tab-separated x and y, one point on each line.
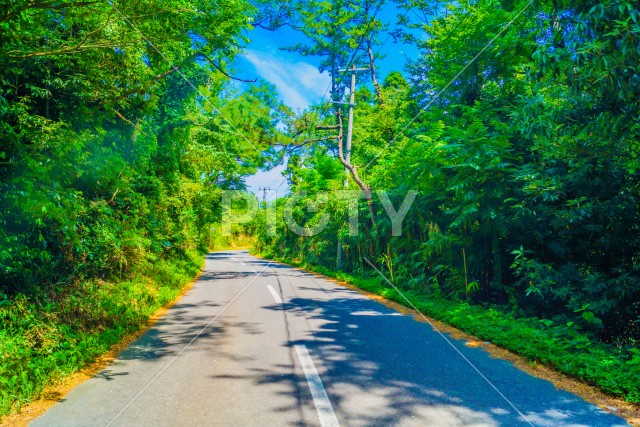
255	343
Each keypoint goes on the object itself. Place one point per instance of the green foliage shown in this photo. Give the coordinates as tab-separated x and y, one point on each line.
112	168
53	333
525	167
109	156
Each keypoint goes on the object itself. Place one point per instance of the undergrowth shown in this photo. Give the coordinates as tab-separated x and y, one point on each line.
53	332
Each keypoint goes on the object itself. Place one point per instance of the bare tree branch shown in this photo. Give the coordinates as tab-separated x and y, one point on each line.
372	66
290	148
219	68
124	119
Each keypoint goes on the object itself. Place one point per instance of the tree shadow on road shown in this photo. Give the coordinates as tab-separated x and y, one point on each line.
384	368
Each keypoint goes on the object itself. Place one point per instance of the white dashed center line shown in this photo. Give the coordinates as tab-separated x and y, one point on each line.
275	294
320	398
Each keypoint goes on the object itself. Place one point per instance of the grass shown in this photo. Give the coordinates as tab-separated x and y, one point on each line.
614	370
48	336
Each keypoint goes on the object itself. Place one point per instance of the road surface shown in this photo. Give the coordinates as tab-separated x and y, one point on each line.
255	343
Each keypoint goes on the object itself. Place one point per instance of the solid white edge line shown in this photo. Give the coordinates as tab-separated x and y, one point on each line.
275	294
320	398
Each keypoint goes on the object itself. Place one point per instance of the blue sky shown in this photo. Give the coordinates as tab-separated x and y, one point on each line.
296	77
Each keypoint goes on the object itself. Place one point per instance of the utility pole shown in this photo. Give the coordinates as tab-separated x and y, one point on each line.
347	154
352	104
264	194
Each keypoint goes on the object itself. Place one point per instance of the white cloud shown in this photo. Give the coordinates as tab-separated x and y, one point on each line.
298	83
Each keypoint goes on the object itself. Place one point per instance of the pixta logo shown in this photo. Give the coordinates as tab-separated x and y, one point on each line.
231	216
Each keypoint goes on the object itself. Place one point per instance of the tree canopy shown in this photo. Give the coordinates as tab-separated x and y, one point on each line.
517	125
119	130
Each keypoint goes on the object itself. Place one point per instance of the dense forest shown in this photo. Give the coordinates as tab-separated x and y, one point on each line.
518	128
525	166
122	124
115	147
119	130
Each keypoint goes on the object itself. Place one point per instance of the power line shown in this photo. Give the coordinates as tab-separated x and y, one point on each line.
392	31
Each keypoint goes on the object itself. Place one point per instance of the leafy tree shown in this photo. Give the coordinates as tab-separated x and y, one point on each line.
521	140
119	131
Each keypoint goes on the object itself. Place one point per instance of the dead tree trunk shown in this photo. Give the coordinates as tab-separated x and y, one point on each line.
354	171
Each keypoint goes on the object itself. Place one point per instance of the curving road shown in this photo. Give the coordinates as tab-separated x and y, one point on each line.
255	343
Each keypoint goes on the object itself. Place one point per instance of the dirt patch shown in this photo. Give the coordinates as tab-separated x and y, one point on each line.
52	394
